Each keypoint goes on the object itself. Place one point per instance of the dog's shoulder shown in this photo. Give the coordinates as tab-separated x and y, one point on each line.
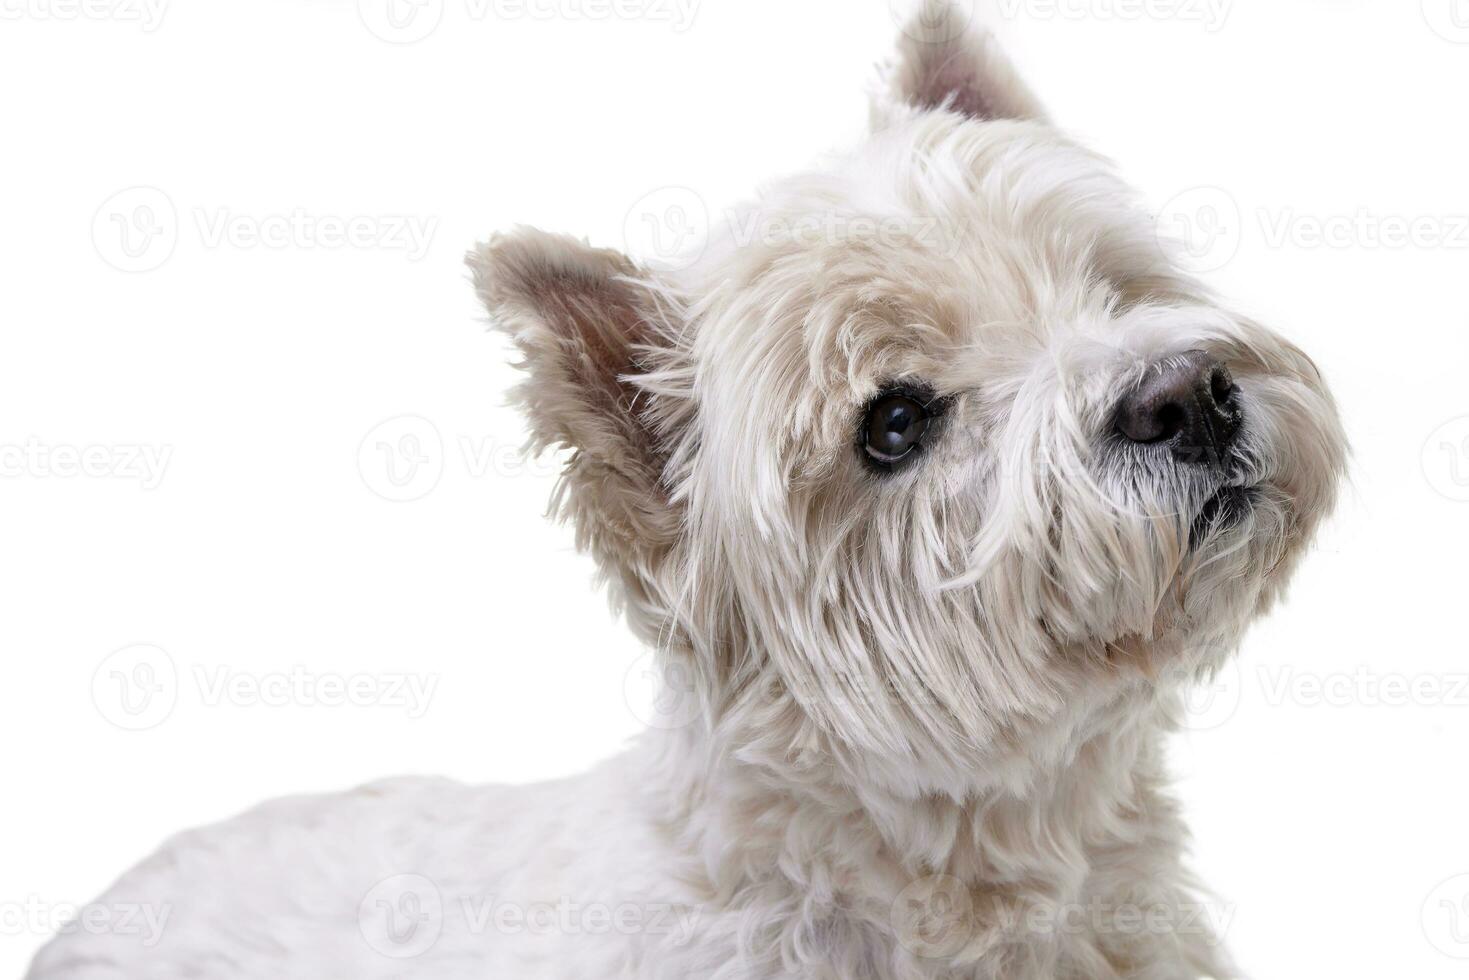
333	885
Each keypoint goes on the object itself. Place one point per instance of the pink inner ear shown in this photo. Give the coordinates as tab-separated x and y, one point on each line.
944	61
955	80
598	325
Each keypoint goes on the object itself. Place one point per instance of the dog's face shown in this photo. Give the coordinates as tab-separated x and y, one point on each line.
942	464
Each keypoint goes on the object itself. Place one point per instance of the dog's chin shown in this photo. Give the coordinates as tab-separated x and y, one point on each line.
1222	512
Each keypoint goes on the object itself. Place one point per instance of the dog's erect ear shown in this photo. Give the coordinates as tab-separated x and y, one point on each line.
586	320
945	61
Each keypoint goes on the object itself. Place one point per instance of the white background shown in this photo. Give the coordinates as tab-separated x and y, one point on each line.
1329	809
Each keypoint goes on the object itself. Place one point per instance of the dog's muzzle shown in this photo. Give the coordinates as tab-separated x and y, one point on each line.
1189	406
1188	403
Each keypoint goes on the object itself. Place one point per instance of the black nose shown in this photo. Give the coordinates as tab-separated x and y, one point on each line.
1188	402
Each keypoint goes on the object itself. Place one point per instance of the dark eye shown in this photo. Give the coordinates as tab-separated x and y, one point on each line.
895	426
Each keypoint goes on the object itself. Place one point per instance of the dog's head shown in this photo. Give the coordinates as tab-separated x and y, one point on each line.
934	455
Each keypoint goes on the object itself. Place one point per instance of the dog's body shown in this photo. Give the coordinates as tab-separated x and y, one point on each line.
654	867
930	517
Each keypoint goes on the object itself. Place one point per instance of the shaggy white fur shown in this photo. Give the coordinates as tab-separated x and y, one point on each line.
927	699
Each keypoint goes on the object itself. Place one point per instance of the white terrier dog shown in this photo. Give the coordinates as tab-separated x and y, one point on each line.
932	496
